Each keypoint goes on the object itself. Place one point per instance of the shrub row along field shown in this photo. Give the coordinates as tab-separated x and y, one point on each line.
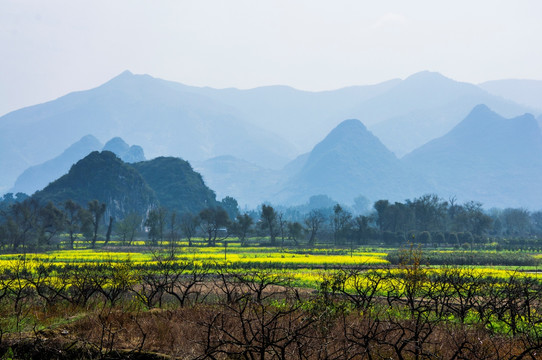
472	258
191	305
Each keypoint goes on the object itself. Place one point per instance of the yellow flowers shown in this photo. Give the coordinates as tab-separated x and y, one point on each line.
245	257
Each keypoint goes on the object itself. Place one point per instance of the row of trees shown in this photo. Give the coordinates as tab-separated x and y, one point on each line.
24	222
27	223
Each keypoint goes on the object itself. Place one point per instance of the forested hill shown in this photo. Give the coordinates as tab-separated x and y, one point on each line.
105	177
177	186
126	188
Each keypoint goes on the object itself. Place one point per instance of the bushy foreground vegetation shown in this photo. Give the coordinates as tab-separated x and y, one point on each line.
159	304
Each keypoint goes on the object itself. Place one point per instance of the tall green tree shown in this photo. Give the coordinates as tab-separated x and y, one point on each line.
341	224
231	206
313	221
156	224
51	221
189	225
213	220
380	206
77	219
127	227
241	227
97	210
269	222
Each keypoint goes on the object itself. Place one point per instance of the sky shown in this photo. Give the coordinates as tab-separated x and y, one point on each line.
51	48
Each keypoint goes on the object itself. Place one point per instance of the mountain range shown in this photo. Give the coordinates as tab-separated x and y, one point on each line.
524	92
38	176
348	162
229	137
487	158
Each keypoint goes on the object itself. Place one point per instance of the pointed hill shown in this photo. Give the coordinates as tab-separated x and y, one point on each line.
127	153
307	115
117	146
102	176
38	176
351	161
424	106
487	158
176	185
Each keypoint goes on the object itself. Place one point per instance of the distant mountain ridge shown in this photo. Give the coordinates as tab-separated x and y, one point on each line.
349	162
169	118
156	114
423	107
486	158
221	131
124	151
38	176
524	92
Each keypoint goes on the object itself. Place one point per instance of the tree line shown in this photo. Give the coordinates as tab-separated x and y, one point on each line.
27	224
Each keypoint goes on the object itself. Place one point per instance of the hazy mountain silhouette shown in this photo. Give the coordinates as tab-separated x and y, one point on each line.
425	106
524	92
195	123
156	114
351	161
124	151
248	183
38	176
105	177
301	117
486	158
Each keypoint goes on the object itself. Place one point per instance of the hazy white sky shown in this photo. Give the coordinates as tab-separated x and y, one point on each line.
50	48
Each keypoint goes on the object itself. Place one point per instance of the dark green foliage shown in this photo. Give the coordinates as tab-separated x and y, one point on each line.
156	223
176	185
104	177
127	228
241	227
96	210
231	206
424	237
471	258
295	231
212	222
269	222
